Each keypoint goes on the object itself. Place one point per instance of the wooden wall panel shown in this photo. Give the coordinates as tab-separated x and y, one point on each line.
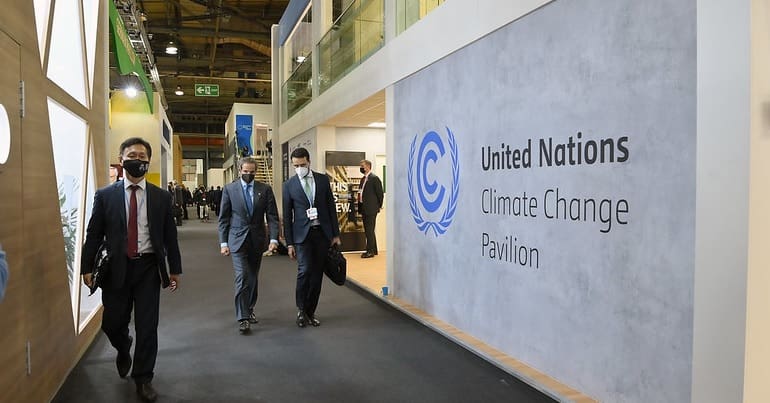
37	309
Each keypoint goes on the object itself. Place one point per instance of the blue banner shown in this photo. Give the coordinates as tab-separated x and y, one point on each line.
243	129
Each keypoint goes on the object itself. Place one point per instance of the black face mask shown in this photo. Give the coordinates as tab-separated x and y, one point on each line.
247	177
136	168
363	171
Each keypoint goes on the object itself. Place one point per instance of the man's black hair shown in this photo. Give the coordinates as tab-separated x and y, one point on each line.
133	141
300	153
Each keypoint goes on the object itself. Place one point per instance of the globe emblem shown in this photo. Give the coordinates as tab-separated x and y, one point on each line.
433	181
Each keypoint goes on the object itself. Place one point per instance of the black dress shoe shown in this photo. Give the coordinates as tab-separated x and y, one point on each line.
301	319
146	392
311	319
123	360
253	319
366	255
243	326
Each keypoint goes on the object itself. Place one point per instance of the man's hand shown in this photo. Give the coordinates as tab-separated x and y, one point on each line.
336	241
88	279
225	251
175	279
292	253
272	247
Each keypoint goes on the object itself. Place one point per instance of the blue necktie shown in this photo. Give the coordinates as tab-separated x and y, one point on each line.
247	196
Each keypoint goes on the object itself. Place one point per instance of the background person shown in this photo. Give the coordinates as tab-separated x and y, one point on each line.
135	219
310	226
246	204
371	196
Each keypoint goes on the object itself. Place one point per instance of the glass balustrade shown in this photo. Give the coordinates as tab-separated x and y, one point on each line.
356	35
298	89
410	11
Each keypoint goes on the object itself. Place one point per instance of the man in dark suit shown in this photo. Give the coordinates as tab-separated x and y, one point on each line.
310	227
135	219
217	200
370	202
245	205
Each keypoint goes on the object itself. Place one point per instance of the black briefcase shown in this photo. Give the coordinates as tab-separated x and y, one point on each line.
335	266
101	267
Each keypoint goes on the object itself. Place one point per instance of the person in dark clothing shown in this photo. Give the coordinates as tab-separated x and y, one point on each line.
310	227
200	198
187	197
217	199
134	218
370	203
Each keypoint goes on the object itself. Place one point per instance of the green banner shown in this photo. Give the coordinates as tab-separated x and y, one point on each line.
128	62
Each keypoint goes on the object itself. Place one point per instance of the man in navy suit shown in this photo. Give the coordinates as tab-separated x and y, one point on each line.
245	205
310	227
135	219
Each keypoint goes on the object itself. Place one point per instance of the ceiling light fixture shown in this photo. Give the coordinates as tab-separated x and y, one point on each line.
380	125
300	59
171	48
179	90
131	92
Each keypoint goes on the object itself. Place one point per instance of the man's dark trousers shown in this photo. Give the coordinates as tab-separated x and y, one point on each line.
141	291
311	255
371	241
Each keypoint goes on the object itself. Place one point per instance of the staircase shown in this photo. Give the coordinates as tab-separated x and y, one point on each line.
264	172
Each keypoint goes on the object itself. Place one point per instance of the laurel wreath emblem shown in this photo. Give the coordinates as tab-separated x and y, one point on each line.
439	227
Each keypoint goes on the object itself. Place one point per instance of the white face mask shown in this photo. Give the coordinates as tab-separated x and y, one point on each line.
302	171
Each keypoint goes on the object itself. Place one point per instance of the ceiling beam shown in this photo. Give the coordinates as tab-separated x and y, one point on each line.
206	33
250	80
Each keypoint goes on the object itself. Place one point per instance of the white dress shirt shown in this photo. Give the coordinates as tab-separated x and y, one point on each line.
142	224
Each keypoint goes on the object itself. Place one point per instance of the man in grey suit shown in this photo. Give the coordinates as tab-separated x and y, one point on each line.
310	227
245	205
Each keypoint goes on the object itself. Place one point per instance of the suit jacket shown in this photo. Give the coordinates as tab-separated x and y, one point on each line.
371	198
236	222
108	222
295	222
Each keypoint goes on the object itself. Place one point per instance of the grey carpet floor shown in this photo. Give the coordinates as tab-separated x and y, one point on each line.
364	351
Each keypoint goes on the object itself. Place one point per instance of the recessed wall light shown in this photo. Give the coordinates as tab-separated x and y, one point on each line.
380	125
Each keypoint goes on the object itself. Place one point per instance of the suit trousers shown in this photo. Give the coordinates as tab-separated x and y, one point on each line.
140	292
311	255
246	262
371	240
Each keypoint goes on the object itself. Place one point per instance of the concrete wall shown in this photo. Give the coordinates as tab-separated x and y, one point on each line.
605	306
370	141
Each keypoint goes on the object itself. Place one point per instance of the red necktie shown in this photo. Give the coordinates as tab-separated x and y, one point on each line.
133	232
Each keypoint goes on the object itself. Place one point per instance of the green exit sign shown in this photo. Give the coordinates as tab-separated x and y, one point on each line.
206	90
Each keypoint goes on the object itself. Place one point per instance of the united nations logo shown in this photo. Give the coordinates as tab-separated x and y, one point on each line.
434	202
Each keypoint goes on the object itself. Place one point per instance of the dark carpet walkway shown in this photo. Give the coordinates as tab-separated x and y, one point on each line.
364	351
